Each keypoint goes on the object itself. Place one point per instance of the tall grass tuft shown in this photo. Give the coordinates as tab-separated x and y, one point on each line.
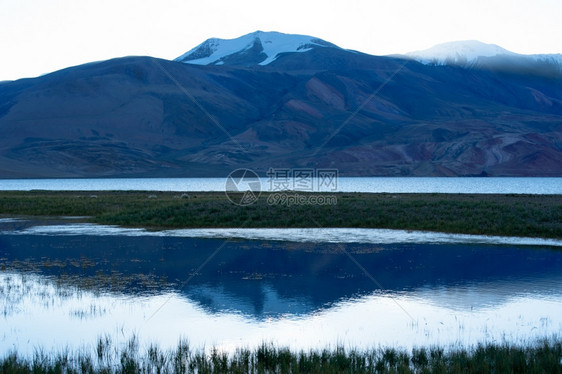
541	357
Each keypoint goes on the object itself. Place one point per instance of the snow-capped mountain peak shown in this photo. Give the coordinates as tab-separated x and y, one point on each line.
257	48
475	54
458	53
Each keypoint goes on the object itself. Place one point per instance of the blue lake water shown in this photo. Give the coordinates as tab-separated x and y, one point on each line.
66	284
343	184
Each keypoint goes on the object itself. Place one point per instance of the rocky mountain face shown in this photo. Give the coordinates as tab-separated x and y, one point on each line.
267	101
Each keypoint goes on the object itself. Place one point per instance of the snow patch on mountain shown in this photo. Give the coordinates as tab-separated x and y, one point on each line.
260	47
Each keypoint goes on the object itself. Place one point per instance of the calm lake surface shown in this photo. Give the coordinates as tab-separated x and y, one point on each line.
343	184
66	284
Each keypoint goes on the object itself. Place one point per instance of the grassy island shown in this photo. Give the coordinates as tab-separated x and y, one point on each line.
490	214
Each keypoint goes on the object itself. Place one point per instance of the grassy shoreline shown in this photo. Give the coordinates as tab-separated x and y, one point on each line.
487	214
541	357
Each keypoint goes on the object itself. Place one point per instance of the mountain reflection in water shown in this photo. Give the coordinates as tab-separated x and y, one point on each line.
266	279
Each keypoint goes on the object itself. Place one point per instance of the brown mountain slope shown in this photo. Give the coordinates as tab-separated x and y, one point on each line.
364	115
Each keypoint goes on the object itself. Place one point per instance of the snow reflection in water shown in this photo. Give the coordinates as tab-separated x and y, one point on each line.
309	235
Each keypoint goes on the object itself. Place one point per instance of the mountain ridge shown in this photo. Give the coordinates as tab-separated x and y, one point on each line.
262	48
320	108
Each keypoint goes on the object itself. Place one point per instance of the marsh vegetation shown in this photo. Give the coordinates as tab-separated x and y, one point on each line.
511	215
541	357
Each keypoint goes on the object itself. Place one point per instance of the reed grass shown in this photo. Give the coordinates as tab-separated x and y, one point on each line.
541	357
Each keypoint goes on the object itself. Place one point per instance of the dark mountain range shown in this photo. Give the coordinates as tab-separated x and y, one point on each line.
276	102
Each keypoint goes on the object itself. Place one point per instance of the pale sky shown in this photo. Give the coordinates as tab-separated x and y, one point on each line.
41	36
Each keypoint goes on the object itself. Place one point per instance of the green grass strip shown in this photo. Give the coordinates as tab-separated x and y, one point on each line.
511	215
